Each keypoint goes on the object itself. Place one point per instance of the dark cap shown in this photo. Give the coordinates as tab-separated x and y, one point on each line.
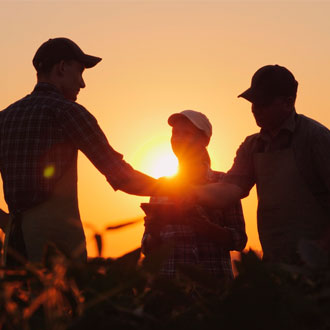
58	49
269	82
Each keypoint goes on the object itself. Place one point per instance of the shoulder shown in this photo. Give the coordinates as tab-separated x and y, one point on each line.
250	143
312	129
248	147
311	123
16	104
67	104
250	140
73	109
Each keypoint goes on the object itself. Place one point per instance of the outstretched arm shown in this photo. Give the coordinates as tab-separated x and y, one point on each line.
137	183
237	182
84	132
217	195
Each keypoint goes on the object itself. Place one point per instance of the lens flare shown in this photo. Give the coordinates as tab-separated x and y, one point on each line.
49	171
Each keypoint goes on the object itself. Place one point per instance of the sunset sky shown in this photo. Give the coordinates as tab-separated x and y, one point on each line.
161	57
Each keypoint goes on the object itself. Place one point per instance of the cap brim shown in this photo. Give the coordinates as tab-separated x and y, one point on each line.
175	117
89	61
248	95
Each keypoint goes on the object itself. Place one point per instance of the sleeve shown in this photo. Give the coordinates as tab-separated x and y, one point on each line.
84	132
234	221
321	156
242	171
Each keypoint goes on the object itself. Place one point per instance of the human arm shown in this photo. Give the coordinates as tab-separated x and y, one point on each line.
4	219
321	165
217	195
229	231
321	157
234	222
86	135
151	237
235	185
203	226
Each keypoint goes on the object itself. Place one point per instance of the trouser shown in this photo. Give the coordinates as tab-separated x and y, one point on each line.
28	235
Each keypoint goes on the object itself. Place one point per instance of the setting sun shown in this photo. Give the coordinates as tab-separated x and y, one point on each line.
163	164
156	158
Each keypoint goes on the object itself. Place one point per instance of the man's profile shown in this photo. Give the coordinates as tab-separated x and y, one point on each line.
288	161
40	136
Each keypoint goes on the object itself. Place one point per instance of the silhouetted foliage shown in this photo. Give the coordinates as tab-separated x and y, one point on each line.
128	293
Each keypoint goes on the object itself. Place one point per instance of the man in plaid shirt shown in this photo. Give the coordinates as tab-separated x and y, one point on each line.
40	136
200	236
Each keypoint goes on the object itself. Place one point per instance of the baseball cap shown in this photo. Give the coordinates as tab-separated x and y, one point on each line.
197	118
269	82
57	49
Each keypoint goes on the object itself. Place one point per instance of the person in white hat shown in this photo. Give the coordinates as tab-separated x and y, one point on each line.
200	236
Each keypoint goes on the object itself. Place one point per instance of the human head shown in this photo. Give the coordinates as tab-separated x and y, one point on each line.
272	93
191	132
60	61
54	50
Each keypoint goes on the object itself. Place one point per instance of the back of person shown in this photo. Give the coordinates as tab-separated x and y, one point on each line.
34	150
40	136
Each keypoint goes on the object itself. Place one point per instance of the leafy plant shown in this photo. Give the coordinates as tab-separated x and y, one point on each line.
128	293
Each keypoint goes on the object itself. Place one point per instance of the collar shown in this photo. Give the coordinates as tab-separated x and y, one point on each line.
288	125
46	87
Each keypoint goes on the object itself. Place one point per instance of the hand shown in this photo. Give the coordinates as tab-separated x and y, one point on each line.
223	236
173	188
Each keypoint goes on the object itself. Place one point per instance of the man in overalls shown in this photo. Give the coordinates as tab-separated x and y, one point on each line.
40	136
289	161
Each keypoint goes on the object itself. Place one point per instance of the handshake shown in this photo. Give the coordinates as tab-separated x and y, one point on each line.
159	215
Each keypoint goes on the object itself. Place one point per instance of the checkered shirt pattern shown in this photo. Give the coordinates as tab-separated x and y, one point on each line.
190	247
40	136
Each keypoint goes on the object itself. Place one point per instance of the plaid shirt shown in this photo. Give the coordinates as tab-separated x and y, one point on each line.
39	139
310	142
190	247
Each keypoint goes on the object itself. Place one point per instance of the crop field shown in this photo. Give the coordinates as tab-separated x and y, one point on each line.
127	293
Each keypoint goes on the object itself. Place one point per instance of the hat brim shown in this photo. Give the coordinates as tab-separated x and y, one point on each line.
90	61
249	95
256	96
176	117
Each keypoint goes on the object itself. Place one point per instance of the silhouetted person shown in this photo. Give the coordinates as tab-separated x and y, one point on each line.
289	161
201	236
40	136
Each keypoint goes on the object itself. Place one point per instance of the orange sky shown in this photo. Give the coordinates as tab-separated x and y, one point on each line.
161	57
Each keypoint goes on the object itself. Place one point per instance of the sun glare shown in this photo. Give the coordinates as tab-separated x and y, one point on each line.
164	164
156	158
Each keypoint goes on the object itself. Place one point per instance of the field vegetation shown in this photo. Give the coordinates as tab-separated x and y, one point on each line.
127	293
